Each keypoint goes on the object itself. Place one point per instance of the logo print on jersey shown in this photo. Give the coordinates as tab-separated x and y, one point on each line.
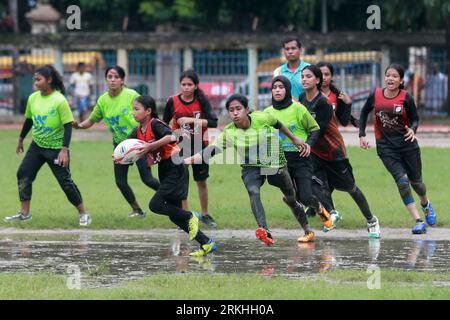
39	120
398	109
387	121
193	128
113	121
39	124
52	111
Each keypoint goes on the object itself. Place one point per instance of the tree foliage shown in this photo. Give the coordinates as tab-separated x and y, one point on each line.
251	15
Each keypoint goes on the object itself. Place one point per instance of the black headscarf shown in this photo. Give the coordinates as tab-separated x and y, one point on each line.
287	101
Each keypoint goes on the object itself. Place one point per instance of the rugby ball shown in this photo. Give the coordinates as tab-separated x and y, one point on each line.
125	152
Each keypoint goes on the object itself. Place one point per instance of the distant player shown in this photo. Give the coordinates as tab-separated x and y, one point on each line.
49	114
191	111
339	100
332	169
160	145
253	136
341	103
82	86
396	122
115	107
297	119
292	69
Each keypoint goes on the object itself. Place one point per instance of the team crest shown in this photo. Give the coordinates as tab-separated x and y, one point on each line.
398	109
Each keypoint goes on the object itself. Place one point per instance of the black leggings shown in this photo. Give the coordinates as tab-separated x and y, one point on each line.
406	169
32	163
331	175
172	208
253	180
300	170
121	175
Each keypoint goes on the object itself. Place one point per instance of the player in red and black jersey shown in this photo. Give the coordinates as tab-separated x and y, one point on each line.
396	122
159	148
191	111
339	100
332	169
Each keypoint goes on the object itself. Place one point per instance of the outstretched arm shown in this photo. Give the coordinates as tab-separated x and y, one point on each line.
368	107
86	124
27	125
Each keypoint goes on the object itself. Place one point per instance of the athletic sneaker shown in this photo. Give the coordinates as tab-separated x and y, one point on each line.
209	221
205	249
19	217
137	213
307	237
326	218
265	236
193	226
336	216
419	228
430	214
374	229
85	220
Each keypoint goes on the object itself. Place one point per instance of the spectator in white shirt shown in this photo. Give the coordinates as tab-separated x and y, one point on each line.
82	86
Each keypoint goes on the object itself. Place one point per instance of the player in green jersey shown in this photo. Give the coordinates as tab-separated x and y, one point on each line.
302	124
49	114
254	136
115	107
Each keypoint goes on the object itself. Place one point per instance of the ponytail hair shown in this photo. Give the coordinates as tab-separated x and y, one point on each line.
401	71
317	73
148	103
49	72
198	93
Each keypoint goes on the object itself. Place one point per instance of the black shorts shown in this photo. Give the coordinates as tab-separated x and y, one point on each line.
200	171
401	163
337	174
174	180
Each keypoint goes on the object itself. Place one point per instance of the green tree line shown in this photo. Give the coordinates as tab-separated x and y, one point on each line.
246	15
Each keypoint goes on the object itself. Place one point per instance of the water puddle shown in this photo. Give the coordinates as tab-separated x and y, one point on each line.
105	260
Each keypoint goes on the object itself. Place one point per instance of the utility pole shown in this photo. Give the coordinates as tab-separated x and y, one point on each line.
324	15
447	46
14	13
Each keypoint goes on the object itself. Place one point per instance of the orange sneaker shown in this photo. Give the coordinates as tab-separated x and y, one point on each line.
326	218
307	237
263	235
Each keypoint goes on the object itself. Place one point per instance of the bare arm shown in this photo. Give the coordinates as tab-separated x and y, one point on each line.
86	124
304	148
148	147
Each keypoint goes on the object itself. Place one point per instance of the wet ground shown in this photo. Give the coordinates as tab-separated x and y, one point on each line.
106	260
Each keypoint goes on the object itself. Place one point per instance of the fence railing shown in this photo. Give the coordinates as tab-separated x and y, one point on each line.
221	71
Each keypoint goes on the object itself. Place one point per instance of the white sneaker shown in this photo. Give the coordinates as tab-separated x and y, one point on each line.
374	229
85	220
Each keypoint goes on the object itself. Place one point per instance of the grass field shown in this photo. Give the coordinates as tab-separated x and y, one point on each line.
229	204
348	284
